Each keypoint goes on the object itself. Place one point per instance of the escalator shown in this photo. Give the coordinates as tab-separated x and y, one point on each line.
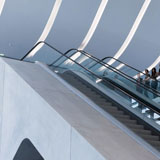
119	94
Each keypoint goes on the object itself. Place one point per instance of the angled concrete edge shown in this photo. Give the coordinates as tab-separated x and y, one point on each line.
59	123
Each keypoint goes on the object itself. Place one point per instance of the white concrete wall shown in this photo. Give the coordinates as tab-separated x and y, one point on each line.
36	105
27	115
1	95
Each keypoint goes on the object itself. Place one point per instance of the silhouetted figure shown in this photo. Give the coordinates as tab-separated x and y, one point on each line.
139	81
139	88
159	70
146	81
154	81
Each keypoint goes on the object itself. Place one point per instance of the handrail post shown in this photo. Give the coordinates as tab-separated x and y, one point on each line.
62	56
31	50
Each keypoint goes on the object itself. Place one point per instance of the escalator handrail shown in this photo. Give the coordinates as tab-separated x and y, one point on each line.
83	52
128	93
144	86
109	57
76	50
43	42
86	54
102	61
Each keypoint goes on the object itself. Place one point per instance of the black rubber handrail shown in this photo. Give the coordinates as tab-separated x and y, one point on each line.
127	92
43	42
129	67
122	63
25	56
89	56
109	57
118	87
102	61
126	76
76	50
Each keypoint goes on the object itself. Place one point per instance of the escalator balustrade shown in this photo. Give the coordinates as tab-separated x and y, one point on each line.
112	90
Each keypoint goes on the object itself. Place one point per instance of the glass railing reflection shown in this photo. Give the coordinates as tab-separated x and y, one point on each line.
131	71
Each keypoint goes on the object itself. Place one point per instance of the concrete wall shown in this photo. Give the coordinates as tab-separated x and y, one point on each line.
37	106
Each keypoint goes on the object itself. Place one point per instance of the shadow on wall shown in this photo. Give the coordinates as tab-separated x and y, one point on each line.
27	151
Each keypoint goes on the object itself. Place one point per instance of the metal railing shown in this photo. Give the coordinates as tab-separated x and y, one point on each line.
128	77
116	86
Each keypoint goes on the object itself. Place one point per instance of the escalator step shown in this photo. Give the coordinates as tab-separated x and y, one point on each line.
142	131
97	97
119	116
108	106
101	101
135	126
128	121
150	137
154	143
104	103
114	112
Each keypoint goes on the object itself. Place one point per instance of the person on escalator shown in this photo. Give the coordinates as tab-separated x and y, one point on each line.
158	87
146	81
139	81
140	89
159	70
154	81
